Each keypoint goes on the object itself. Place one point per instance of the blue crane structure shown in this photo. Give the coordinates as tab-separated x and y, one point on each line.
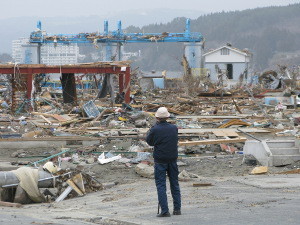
112	41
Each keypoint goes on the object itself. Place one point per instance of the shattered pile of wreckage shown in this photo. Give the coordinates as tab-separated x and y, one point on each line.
62	142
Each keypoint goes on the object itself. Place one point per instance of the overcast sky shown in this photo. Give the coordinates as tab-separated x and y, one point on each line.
51	8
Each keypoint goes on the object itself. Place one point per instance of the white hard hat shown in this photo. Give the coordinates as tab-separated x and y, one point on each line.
50	167
162	112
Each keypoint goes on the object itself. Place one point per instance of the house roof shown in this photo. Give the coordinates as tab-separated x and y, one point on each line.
228	47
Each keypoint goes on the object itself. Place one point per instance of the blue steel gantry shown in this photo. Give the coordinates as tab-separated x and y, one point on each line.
112	41
115	36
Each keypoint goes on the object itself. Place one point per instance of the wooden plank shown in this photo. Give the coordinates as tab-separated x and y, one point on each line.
210	130
43	114
230	133
211	117
225	133
58	138
295	171
234	122
60	118
210	142
236	106
133	106
75	188
129	132
219	133
44	118
43	125
73	121
169	109
77	179
202	184
10	204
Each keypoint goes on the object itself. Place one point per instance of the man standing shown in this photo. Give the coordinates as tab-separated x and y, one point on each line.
164	137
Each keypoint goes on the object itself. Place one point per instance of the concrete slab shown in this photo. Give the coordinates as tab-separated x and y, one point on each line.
270	181
273	153
281	143
285	151
279	160
226	202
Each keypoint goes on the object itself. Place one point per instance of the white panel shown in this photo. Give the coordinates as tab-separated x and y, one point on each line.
216	57
238	68
213	74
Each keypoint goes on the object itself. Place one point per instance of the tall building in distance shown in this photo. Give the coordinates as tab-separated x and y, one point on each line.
17	50
51	54
59	54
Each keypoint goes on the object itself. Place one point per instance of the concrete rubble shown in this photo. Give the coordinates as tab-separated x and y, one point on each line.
99	144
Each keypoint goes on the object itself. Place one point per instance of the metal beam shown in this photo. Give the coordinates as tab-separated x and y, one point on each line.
121	69
57	69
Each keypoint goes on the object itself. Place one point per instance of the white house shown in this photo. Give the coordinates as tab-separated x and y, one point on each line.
227	60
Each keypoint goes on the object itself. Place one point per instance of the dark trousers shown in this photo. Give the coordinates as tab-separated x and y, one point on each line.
160	172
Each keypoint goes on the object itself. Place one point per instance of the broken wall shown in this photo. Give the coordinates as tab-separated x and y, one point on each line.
238	69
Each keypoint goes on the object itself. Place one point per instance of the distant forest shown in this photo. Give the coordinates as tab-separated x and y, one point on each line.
272	34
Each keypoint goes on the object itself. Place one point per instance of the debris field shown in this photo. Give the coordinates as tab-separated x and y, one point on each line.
96	141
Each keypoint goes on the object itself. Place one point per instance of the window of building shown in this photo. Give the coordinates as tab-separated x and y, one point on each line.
225	51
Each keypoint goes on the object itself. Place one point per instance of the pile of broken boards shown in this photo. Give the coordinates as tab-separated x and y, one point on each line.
96	119
206	124
36	185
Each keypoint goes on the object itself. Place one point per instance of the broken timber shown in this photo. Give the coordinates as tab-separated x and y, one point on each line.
10	204
207	130
202	184
234	122
210	142
211	117
76	184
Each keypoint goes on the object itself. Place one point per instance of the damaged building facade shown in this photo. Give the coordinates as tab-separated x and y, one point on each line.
227	61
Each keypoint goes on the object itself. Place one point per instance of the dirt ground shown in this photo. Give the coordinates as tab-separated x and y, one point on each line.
216	164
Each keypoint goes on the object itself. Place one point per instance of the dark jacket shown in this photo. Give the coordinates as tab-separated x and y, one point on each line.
164	137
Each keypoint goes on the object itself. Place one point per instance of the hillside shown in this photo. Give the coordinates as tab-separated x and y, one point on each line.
272	34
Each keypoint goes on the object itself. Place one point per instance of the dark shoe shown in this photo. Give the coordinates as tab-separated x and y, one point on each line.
177	212
163	215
